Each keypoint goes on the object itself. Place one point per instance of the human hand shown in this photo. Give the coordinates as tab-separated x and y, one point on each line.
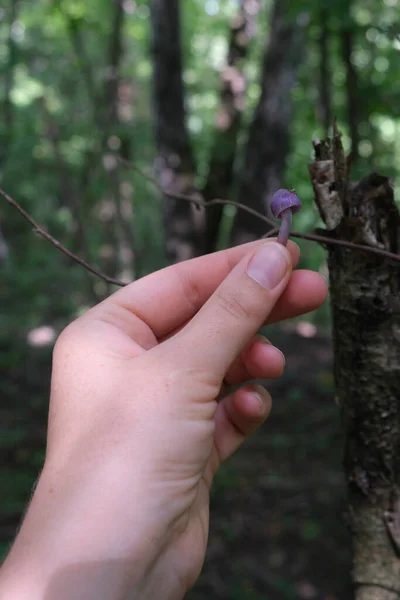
136	434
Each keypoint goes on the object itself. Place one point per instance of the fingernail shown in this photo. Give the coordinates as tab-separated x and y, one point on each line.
283	356
269	265
261	401
264	340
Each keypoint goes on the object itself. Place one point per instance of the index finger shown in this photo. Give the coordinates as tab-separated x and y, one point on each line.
166	299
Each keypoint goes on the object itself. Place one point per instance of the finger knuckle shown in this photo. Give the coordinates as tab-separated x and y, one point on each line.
235	307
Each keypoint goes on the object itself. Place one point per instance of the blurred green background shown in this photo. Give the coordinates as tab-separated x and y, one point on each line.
56	140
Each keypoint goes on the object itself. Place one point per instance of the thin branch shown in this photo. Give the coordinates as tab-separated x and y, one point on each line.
57	244
196	199
304	236
333	242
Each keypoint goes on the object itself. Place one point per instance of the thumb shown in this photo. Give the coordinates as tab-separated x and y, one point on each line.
235	312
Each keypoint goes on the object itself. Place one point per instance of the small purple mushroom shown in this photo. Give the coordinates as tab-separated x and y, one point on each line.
283	205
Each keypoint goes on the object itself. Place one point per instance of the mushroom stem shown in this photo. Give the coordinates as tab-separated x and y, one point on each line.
286	226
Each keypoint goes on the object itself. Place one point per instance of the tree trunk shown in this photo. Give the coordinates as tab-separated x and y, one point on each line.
365	297
121	222
184	223
114	140
7	135
76	34
7	106
352	86
268	142
325	93
4	252
229	116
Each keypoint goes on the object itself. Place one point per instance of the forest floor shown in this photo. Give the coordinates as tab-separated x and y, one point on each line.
277	512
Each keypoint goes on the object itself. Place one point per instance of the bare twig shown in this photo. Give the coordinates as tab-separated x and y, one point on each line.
195	200
295	234
333	242
57	244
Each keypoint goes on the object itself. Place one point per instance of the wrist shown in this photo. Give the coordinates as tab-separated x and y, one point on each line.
83	534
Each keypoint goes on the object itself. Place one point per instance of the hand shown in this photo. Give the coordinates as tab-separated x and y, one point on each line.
136	434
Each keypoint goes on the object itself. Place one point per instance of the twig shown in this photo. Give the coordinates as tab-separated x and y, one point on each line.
195	200
57	244
333	242
271	233
304	236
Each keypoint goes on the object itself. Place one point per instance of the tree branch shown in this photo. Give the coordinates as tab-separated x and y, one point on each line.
295	234
58	244
195	200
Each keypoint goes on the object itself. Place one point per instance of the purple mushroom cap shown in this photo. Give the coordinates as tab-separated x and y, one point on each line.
282	200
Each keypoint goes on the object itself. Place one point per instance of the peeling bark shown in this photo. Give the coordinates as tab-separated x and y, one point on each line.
229	116
365	297
184	224
269	135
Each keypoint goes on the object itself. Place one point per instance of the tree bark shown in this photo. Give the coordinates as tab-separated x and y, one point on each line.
365	297
184	224
229	116
269	135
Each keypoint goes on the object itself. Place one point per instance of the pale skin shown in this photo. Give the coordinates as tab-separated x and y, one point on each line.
136	434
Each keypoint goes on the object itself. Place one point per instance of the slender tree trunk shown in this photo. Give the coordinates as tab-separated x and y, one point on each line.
121	222
353	100
365	296
6	139
77	41
7	109
229	116
269	136
4	252
68	195
119	260
184	224
325	94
